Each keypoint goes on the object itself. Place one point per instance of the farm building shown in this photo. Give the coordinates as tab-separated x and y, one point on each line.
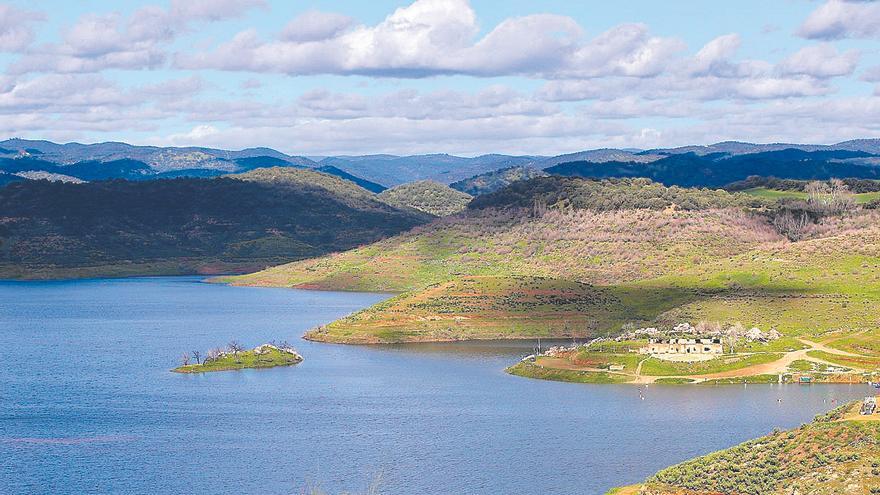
683	346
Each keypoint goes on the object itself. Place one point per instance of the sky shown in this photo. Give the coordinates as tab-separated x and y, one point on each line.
463	77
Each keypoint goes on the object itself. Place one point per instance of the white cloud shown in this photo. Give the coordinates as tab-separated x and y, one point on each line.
314	25
109	41
432	37
872	74
822	61
836	19
212	10
714	57
16	30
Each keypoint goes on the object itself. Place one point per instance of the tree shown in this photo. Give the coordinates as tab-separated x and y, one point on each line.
841	199
792	226
539	207
184	358
235	347
197	355
214	354
817	193
733	336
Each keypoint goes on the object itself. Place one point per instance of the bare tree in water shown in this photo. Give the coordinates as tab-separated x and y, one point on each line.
184	358
197	355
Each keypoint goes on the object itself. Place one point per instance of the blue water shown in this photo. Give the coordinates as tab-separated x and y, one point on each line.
87	404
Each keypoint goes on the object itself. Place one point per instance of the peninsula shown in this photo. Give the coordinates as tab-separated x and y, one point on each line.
707	353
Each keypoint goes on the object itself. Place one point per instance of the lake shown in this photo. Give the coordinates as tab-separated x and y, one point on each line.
87	404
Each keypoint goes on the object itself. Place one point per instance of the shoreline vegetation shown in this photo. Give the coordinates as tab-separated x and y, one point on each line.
235	357
838	452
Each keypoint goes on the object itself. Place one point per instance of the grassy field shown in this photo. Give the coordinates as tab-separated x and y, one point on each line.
763	192
861	362
485	307
658	367
531	370
833	455
243	360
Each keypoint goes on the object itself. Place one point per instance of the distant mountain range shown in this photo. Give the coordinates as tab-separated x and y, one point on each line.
719	168
711	165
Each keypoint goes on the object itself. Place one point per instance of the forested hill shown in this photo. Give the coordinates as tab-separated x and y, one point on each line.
719	169
51	229
607	195
495	180
427	196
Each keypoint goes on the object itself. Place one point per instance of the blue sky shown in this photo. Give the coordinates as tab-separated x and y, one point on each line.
454	76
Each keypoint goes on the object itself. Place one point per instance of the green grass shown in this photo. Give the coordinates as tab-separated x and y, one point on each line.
763	192
755	379
673	381
530	370
657	367
502	307
243	360
804	366
864	363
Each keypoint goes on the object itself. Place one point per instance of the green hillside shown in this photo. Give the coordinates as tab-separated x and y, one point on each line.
426	196
678	254
237	223
838	453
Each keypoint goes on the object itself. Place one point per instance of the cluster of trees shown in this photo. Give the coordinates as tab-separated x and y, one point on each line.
427	196
233	347
609	195
794	218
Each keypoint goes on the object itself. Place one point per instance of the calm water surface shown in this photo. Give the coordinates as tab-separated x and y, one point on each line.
87	404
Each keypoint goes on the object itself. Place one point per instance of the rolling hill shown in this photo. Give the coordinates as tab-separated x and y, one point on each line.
427	196
654	253
236	223
495	180
837	453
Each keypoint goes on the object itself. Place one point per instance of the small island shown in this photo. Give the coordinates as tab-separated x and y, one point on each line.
235	357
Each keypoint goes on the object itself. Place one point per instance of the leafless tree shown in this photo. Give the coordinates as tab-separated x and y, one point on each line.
184	358
539	207
213	354
197	355
792	226
817	193
841	199
733	336
235	347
